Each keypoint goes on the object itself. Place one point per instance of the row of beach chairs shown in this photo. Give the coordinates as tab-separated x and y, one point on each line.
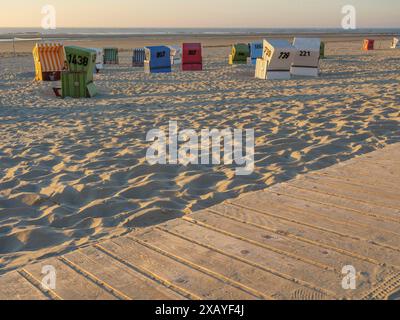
241	52
273	59
369	44
75	66
160	59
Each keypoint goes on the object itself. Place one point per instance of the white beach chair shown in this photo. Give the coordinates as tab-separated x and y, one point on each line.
395	43
276	60
306	59
99	58
176	55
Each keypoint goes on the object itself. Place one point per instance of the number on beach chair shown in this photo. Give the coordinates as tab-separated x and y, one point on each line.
276	60
307	57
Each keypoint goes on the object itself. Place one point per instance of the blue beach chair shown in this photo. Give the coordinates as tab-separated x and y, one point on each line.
158	59
256	51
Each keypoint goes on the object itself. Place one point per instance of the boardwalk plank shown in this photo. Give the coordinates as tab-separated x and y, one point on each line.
390	152
70	285
262	283
353	247
13	286
195	283
361	175
322	257
271	203
125	280
334	201
355	220
287	267
365	194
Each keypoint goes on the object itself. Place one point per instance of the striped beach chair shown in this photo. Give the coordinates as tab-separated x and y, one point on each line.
111	56
49	61
368	44
139	55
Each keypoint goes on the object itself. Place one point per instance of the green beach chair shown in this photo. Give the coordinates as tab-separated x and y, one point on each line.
111	56
239	54
77	82
322	50
76	85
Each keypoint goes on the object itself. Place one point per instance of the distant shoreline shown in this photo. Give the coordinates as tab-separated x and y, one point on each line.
83	37
125	42
97	33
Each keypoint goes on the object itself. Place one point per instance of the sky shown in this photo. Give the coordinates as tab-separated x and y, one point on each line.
200	13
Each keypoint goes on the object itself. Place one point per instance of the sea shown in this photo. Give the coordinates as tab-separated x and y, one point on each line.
9	34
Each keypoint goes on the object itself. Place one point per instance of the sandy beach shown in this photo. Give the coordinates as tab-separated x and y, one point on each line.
73	172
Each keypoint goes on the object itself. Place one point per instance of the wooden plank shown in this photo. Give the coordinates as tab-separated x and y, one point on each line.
390	152
353	247
119	277
354	219
13	286
361	175
322	257
196	284
312	196
385	182
284	266
387	160
365	194
261	283
271	203
70	285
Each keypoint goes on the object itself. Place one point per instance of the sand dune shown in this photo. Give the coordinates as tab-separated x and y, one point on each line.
74	171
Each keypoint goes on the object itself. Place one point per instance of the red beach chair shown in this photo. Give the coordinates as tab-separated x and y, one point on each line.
192	59
368	44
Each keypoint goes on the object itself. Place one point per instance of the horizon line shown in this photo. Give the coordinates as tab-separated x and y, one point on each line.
284	27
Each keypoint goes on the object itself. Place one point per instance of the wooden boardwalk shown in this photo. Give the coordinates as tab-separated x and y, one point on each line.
290	241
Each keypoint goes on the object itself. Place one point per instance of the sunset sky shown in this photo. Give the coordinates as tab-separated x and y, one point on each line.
202	13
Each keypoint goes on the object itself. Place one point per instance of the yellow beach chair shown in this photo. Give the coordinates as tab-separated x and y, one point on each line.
49	61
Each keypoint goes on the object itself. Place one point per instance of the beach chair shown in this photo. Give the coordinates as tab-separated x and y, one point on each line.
111	56
261	68
192	58
256	51
158	59
176	55
306	58
368	44
138	57
276	60
395	43
239	54
49	59
76	85
77	82
322	50
99	59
